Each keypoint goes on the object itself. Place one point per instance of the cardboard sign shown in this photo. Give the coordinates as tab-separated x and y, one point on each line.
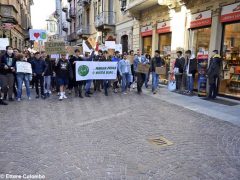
110	44
3	43
91	43
55	47
24	67
143	68
71	49
161	70
37	34
111	52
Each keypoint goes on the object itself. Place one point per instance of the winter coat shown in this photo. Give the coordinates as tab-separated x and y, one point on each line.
38	66
179	63
156	62
9	61
49	68
214	68
192	66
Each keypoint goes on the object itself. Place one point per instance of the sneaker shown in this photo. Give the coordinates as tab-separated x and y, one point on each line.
64	96
60	98
154	92
80	95
125	93
18	99
87	95
29	98
58	94
43	97
115	91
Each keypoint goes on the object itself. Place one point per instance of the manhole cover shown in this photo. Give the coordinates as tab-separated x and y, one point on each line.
160	141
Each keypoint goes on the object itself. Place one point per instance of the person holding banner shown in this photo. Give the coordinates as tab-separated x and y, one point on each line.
116	58
125	72
39	67
24	74
64	73
156	61
139	59
97	83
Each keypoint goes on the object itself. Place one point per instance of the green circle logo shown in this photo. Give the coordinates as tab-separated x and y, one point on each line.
83	70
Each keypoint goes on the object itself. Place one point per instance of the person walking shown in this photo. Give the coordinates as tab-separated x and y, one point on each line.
125	72
156	61
88	82
191	69
213	72
178	69
48	76
64	73
139	59
116	58
148	59
7	75
99	58
39	68
23	77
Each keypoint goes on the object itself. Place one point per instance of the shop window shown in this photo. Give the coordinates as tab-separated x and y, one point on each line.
147	45
199	40
165	43
230	84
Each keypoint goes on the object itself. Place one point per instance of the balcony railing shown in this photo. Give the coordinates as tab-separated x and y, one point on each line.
83	30
8	14
105	18
72	37
72	13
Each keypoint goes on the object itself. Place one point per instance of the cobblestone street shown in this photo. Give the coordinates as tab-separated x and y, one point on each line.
107	138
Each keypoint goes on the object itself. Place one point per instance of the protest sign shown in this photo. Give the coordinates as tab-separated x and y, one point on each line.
86	70
161	70
85	47
37	34
118	47
23	67
3	43
143	68
55	47
110	44
91	43
71	49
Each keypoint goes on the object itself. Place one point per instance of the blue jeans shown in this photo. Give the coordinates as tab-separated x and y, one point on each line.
20	79
155	81
125	81
105	86
190	83
88	86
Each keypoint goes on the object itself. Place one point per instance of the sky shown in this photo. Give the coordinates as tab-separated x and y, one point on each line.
40	11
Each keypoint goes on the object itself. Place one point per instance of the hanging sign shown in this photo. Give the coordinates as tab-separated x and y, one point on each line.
201	19
146	30
231	13
163	27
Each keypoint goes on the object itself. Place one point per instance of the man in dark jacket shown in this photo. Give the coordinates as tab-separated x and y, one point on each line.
47	75
213	72
7	72
191	69
1	100
178	69
39	68
156	61
97	83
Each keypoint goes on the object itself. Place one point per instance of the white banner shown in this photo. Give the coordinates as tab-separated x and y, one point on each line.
24	67
87	70
3	43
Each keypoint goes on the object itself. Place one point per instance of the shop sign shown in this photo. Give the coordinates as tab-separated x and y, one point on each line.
230	13
163	27
201	19
146	30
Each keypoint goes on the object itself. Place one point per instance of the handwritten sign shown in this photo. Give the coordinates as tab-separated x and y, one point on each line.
24	67
55	47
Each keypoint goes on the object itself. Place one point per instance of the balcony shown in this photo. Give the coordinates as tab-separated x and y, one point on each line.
83	30
8	14
105	20
65	27
72	37
72	13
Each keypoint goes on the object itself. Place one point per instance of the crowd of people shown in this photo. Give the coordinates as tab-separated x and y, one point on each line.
58	75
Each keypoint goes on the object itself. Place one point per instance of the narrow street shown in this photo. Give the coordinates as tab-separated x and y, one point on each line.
109	138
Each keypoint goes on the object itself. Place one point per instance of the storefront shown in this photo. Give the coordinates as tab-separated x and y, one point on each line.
200	34
230	83
164	44
146	33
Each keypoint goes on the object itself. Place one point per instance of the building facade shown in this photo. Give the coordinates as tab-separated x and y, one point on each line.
15	22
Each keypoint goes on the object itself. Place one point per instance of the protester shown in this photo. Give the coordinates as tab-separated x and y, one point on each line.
190	69
131	54
39	67
213	72
7	73
140	76
98	83
1	100
106	82
48	76
64	73
125	72
156	61
116	58
178	69
88	82
148	59
23	77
